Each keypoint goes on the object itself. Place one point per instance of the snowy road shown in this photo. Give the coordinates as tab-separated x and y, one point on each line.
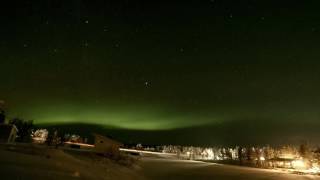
169	169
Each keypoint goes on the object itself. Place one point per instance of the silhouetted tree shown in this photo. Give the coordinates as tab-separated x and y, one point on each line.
2	116
250	153
24	129
306	154
229	153
269	153
240	155
49	139
258	154
317	153
54	139
223	153
2	112
304	151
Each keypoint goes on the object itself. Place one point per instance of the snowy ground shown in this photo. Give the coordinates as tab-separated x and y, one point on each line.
47	163
169	169
44	163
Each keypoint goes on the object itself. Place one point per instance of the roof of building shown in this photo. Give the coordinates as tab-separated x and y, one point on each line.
109	139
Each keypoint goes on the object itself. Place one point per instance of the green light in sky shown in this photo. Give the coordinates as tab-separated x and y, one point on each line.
127	117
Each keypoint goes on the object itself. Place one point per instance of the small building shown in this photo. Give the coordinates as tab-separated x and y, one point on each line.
107	146
8	133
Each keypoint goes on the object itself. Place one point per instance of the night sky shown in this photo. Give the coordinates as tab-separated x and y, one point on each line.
158	65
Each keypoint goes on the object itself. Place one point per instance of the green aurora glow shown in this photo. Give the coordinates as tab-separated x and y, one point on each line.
125	117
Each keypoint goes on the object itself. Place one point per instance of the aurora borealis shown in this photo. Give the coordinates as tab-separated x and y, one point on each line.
140	118
139	65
